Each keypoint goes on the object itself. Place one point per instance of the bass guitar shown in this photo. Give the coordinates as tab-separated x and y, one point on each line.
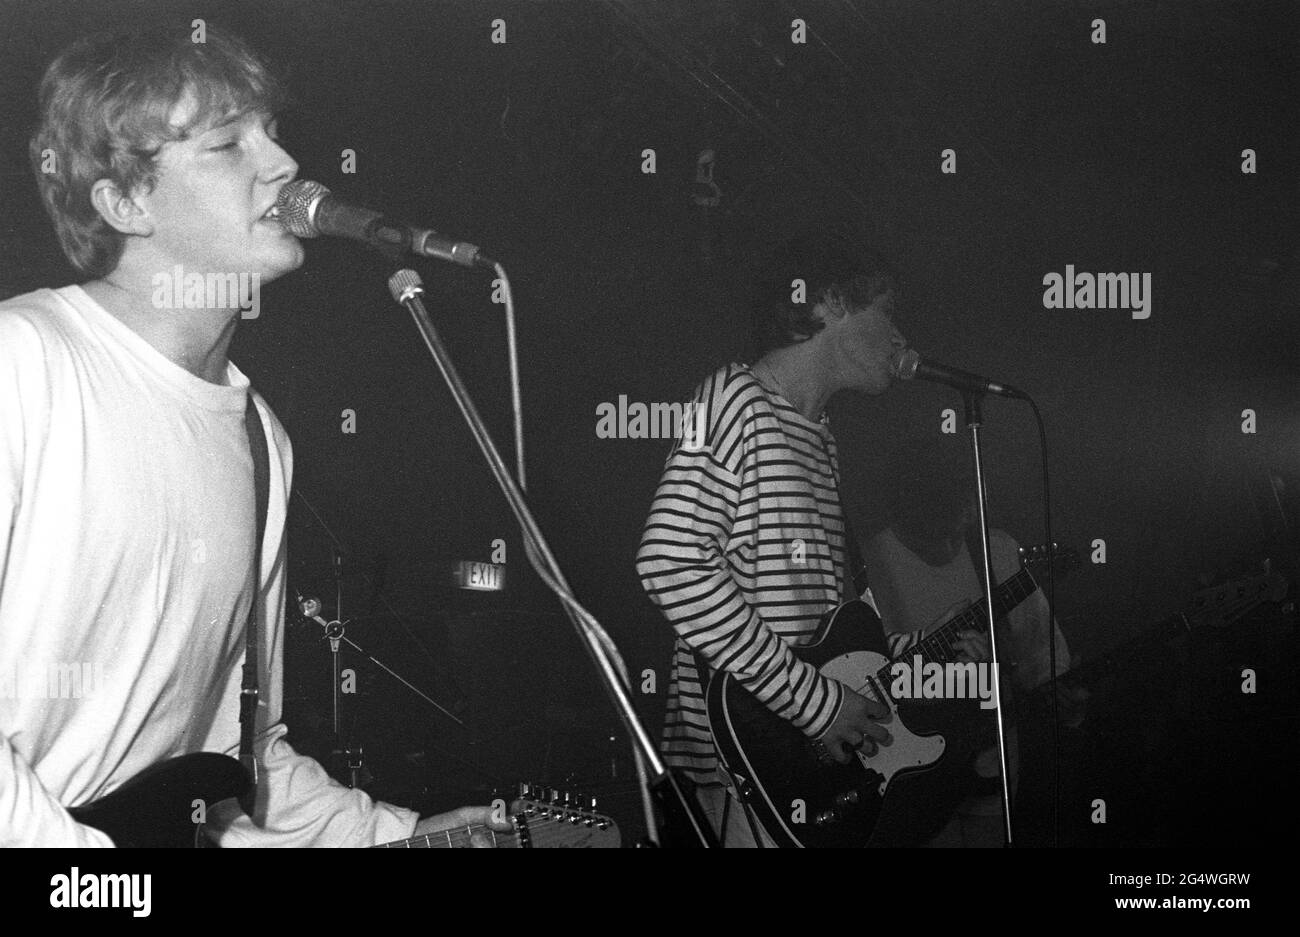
1212	607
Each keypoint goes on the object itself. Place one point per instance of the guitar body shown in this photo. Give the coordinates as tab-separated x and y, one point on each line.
155	808
899	796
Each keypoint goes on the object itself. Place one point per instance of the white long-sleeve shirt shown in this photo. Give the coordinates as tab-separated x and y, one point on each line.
126	553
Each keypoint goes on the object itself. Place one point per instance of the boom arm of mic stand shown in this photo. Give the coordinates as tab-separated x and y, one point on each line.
667	790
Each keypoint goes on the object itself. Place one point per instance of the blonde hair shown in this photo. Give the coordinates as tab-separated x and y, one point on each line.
105	104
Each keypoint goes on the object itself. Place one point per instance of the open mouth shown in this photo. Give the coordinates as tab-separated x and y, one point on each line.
272	214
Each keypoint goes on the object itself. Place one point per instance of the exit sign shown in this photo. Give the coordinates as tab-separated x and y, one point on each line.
482	577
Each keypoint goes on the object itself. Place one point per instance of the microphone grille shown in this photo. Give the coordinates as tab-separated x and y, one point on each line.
904	364
297	203
404	284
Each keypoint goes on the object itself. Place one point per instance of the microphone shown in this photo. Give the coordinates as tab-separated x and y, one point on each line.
907	365
308	210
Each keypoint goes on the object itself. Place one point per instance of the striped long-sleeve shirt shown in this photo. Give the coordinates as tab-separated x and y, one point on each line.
743	552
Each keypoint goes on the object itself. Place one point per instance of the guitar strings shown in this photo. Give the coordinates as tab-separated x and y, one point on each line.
938	646
536	827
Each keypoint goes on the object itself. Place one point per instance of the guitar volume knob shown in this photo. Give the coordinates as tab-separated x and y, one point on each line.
827	818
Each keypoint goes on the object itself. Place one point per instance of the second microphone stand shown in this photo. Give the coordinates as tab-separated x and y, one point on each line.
683	816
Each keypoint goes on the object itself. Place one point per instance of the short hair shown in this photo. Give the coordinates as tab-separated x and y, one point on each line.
831	269
104	108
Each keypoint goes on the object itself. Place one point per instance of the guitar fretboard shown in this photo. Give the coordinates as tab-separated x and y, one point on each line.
537	831
458	838
939	645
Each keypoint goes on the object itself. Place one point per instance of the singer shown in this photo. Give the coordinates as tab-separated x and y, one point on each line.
747	545
127	491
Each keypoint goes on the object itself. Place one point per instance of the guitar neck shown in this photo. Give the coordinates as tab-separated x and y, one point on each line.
938	646
1104	664
455	839
537	825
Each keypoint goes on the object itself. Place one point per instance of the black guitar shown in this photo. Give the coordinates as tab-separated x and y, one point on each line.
903	793
163	806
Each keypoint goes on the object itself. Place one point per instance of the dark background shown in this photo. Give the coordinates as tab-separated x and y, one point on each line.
1117	157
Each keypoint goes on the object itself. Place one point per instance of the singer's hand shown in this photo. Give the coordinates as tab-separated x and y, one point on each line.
854	728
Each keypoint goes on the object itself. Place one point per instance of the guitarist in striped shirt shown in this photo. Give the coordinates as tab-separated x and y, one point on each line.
744	549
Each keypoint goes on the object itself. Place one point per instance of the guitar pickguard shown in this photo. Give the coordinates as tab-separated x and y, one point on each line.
905	750
898	796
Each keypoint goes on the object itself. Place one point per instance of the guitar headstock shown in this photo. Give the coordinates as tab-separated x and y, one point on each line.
1035	558
1223	604
550	819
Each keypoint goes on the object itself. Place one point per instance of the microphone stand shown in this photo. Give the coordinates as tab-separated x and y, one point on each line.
974	419
682	813
335	632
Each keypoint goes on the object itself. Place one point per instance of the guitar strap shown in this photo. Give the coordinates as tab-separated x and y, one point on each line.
248	693
853	580
855	576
